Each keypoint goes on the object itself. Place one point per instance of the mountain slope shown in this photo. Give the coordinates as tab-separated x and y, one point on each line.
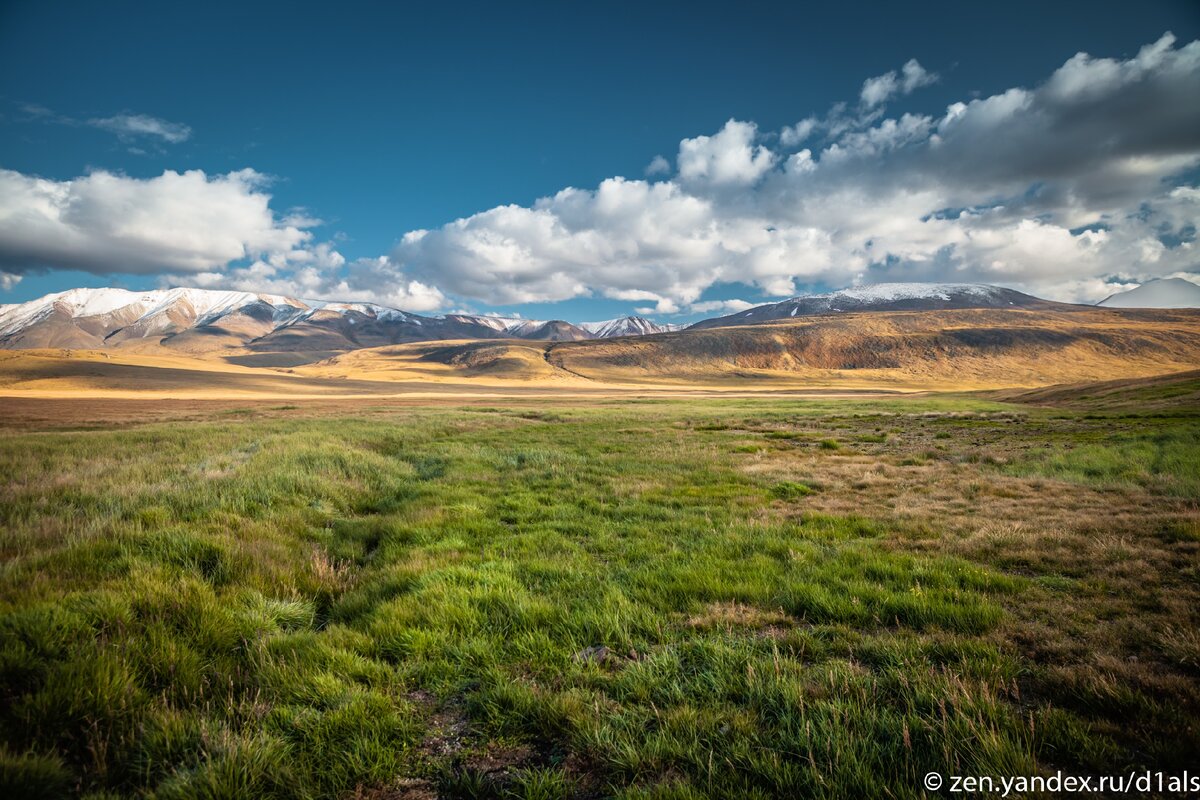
969	348
515	327
1177	390
1164	293
626	326
558	330
105	317
336	327
957	349
883	297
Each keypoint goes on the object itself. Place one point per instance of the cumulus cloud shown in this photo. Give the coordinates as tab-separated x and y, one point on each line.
723	306
132	126
211	231
793	135
326	277
1066	189
104	222
728	158
658	166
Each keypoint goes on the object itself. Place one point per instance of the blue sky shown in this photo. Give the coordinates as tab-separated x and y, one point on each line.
377	120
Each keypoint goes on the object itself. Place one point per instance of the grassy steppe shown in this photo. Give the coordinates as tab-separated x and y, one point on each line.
727	598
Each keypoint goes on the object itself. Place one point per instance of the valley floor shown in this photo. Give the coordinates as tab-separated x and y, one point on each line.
634	597
376	376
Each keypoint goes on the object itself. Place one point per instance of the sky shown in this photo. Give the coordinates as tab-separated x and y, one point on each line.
554	161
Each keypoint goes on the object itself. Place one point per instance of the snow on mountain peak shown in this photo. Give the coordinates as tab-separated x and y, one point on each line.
891	292
204	304
881	297
512	325
153	310
1162	293
625	326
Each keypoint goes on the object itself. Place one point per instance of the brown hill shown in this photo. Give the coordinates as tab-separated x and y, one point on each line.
503	360
1179	390
558	331
957	348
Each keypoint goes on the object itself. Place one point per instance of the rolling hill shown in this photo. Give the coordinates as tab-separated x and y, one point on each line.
956	348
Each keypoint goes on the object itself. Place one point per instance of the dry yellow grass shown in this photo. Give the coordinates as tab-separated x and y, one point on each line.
362	375
105	373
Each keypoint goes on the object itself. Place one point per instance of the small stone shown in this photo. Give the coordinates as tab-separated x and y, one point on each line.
597	654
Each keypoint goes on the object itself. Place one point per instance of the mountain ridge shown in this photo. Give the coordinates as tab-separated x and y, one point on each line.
883	297
198	319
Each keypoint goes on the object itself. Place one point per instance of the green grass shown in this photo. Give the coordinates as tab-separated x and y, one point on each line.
791	490
313	607
1163	454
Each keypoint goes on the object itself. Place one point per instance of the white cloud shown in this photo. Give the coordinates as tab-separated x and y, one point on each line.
626	236
658	166
130	126
881	88
724	306
368	280
665	305
1015	188
727	158
179	222
792	135
8	280
878	89
914	76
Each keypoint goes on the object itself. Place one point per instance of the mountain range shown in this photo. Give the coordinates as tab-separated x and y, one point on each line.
202	320
191	343
255	325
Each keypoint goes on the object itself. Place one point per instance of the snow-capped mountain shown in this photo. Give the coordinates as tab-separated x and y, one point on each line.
521	328
626	326
99	317
1162	293
883	297
196	320
204	320
563	331
101	305
511	326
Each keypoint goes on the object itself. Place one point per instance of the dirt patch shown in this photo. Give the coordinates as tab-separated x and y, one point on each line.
401	789
731	616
